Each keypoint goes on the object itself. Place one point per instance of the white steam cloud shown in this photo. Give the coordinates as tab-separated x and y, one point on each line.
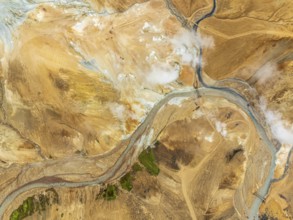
281	130
221	128
163	73
186	45
185	51
117	110
266	72
206	41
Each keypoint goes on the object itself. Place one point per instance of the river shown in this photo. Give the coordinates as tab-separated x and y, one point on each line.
204	90
263	191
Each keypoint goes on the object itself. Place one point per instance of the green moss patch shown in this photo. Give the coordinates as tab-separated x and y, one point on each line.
109	193
34	204
136	168
126	182
24	210
147	159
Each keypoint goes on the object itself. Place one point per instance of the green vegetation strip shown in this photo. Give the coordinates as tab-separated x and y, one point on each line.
126	182
110	193
147	159
24	210
136	168
34	204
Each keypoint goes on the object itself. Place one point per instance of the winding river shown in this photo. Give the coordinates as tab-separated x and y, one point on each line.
204	90
263	191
